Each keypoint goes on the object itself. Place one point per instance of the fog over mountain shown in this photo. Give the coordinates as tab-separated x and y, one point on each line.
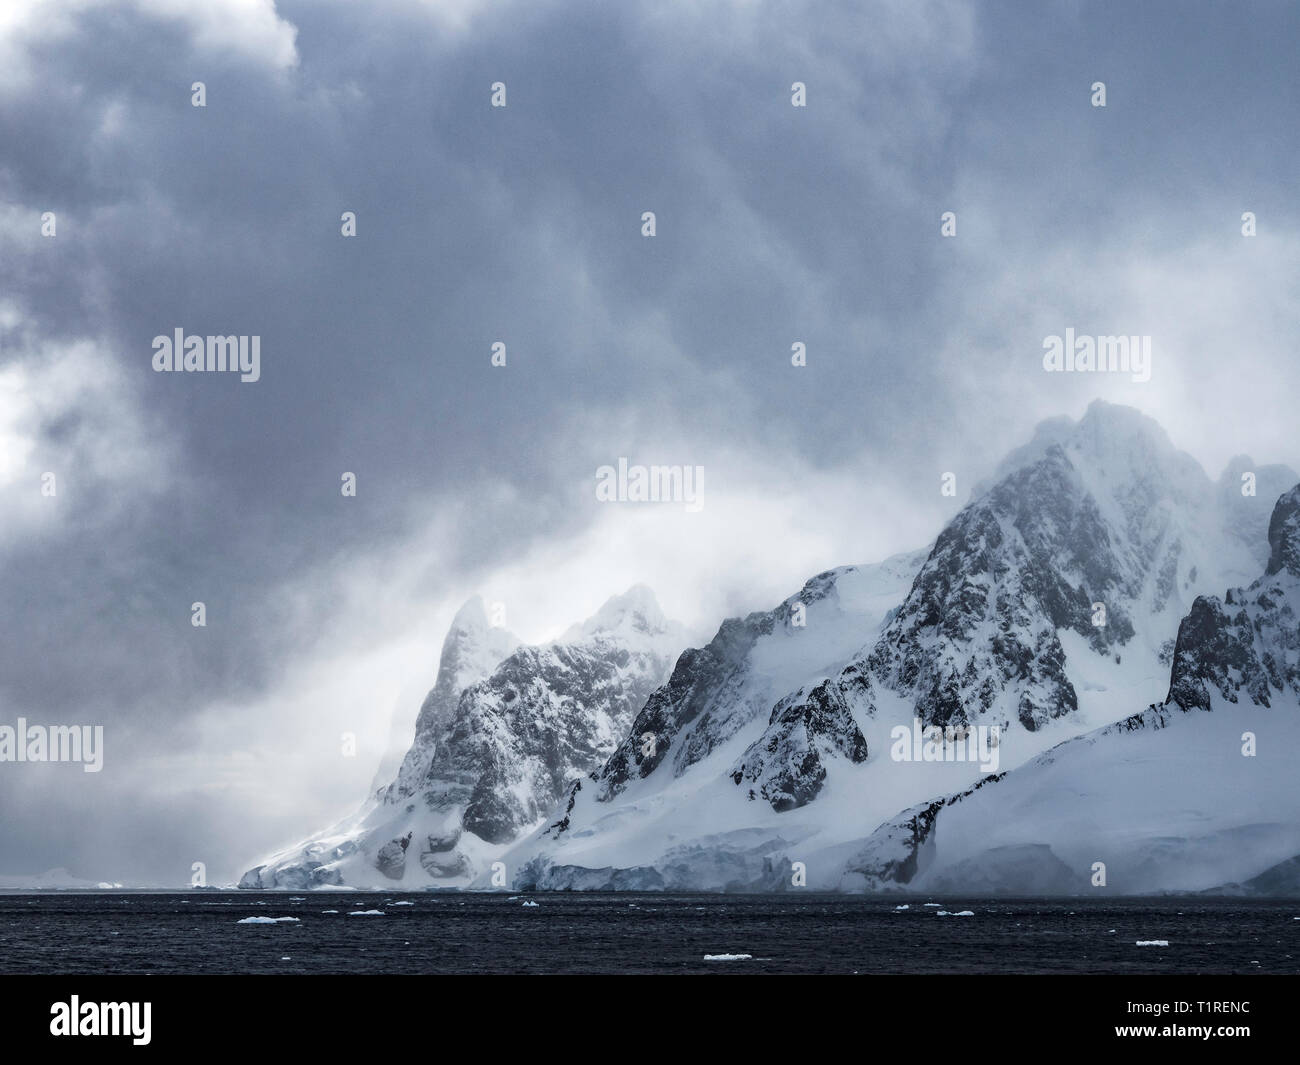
920	484
818	744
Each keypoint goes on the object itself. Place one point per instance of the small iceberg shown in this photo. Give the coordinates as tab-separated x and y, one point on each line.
265	920
1153	942
728	957
529	902
905	906
403	904
365	913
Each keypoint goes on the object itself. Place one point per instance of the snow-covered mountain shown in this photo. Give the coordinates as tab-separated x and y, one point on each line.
498	737
1047	607
471	650
1196	793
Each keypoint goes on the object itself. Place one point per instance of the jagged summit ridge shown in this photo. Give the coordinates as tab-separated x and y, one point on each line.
1048	607
499	736
1172	798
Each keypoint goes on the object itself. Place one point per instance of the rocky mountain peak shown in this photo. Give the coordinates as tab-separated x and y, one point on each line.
1284	535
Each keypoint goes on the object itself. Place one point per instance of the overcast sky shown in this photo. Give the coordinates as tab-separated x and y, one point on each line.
775	224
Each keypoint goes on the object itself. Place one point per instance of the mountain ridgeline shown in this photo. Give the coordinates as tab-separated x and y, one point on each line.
1086	577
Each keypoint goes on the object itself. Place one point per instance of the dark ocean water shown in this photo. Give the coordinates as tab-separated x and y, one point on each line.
198	932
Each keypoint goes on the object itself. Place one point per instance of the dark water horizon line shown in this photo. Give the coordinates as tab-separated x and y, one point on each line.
396	932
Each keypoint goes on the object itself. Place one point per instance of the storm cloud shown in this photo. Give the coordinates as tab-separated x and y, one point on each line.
522	225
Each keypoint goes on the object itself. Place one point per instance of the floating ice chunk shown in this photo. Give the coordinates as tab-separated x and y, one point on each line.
329	911
932	904
528	902
905	906
1153	942
365	913
727	957
265	920
403	904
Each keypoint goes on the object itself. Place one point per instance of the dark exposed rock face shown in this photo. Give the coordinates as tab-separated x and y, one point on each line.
500	739
978	632
545	715
1284	536
713	692
1248	644
514	740
702	679
1093	525
1246	647
471	650
785	766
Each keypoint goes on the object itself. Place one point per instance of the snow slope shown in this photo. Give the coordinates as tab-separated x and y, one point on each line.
498	737
1047	608
1198	793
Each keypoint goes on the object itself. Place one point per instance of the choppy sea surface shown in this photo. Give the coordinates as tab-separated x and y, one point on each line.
796	932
